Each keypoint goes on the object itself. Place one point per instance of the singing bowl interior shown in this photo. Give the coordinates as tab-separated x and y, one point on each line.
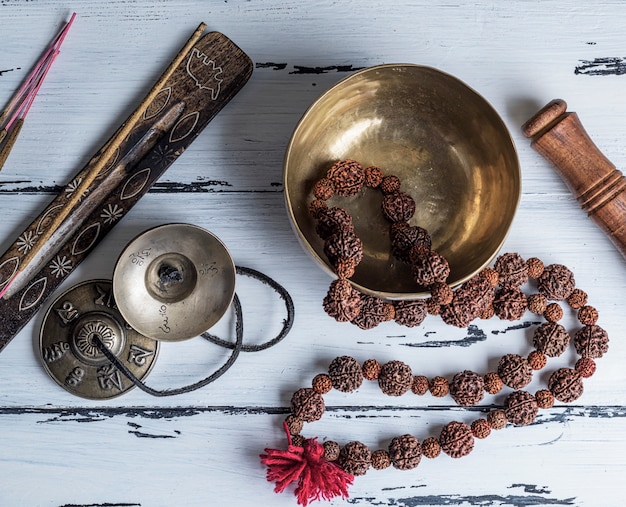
449	147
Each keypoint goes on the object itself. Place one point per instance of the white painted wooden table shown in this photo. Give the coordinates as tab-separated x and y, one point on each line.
202	448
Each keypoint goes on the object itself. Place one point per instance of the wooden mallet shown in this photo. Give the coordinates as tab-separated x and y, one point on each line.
598	186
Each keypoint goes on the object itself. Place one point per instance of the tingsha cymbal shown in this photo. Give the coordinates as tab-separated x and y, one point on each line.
69	352
174	282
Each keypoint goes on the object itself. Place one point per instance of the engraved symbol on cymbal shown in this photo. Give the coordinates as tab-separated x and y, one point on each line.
74	324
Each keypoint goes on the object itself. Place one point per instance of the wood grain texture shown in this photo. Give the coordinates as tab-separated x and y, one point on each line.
202	448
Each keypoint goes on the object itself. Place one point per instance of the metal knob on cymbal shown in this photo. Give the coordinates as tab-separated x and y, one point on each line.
174	282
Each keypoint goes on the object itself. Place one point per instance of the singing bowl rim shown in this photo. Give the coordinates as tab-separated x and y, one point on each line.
512	166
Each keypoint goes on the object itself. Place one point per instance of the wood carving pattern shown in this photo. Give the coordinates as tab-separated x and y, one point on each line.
215	68
159	103
204	72
33	294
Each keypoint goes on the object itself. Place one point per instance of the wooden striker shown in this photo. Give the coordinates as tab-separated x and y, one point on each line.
598	186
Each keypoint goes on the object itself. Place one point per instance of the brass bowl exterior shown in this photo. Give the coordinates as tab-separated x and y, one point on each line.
451	150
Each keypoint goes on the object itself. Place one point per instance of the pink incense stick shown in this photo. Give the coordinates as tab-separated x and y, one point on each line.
28	90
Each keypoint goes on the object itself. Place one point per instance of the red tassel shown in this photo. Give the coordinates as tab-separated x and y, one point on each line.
317	478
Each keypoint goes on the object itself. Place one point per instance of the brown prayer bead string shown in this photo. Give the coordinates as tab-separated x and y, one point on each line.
476	298
466	388
494	291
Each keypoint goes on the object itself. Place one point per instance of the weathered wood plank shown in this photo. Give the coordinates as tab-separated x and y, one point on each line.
109	458
202	448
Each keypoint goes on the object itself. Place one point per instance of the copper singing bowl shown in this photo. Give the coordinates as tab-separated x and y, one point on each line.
451	150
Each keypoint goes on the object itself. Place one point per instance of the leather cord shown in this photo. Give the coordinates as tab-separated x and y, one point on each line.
237	347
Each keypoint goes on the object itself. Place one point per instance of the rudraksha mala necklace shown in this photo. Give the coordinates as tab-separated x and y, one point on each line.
409	243
323	471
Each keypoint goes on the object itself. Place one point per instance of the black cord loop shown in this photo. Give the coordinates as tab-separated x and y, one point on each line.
287	323
236	347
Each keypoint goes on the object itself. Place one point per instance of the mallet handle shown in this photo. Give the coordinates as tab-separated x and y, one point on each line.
598	186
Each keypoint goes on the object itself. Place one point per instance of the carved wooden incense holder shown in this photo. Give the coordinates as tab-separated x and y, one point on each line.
598	186
206	74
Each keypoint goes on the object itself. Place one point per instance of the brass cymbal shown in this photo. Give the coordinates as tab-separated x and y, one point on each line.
68	351
174	282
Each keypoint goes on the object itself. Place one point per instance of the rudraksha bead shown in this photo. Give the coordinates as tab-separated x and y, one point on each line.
307	404
345	373
432	307
553	312
419	385
373	312
431	448
556	282
467	388
404	237
405	452
537	303
520	408
294	424
512	269
344	309
587	315
475	295
487	313
429	267
456	439
551	339
577	299
585	367
535	267
493	383
390	184
321	383
515	371
481	428
395	378
331	450
371	369
439	387
510	304
355	458
373	176
469	302
491	275
537	360
545	399
297	440
410	313
398	207
566	385
497	419
343	245
380	459
591	341
341	289
458	314
323	189
345	267
316	208
347	177
332	220
441	293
